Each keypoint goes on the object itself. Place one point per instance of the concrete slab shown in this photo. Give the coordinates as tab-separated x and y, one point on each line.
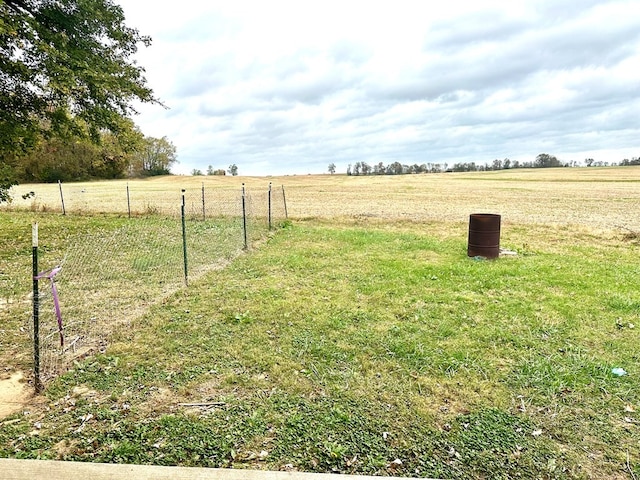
13	469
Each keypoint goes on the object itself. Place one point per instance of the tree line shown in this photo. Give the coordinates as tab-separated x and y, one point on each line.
75	159
233	170
543	160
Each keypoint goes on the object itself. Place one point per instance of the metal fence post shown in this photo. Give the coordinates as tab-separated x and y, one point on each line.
128	201
64	212
203	204
284	198
36	311
269	205
184	240
244	218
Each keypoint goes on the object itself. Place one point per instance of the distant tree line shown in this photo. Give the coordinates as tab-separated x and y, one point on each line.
543	160
233	170
395	168
626	162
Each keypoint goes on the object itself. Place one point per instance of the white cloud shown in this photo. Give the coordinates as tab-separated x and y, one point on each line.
288	86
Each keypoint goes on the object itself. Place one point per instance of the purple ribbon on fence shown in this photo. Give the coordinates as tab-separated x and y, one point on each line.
50	274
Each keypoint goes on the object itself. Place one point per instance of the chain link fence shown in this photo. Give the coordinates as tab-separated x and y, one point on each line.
132	258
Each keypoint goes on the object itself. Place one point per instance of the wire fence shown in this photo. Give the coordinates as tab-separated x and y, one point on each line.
112	274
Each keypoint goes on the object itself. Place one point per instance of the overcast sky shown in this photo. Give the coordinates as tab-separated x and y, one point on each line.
287	87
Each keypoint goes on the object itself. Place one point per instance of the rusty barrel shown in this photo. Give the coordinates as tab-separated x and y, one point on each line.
484	235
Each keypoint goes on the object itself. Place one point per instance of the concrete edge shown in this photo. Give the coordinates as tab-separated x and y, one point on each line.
14	469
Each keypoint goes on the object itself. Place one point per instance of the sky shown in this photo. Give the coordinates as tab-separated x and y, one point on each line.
288	87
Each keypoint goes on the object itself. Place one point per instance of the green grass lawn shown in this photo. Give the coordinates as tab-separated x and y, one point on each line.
113	269
373	348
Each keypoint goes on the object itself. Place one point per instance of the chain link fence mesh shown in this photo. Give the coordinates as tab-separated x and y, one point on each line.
128	262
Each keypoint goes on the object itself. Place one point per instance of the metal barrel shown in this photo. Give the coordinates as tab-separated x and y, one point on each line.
484	235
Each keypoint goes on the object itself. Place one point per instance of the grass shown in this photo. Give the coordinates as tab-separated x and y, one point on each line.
373	345
113	268
378	349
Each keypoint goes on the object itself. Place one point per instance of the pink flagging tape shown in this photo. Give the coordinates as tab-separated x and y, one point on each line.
50	274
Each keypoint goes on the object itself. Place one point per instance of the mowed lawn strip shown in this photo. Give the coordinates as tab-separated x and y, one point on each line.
375	348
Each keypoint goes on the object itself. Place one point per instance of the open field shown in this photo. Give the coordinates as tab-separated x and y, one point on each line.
597	197
362	339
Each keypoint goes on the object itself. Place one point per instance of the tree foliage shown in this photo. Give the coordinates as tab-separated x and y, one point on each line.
77	158
626	162
217	172
7	180
233	169
64	65
155	156
543	160
66	71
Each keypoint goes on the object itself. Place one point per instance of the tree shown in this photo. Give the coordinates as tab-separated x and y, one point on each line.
196	172
156	156
332	168
66	69
626	162
544	160
218	171
7	180
77	158
233	169
394	169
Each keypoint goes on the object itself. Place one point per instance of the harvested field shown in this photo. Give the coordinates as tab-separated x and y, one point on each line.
602	198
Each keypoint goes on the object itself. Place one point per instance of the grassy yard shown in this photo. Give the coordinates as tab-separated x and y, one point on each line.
373	345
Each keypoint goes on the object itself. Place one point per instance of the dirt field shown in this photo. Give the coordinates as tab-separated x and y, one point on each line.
600	198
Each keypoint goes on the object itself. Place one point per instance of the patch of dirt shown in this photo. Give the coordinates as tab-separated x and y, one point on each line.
14	394
160	401
65	447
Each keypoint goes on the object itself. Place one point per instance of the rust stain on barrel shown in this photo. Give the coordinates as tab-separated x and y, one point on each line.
484	235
